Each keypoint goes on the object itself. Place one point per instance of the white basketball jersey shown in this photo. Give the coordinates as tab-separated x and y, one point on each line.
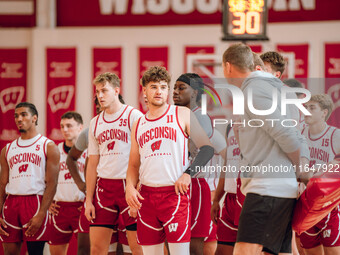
163	148
113	140
320	148
233	163
67	189
27	165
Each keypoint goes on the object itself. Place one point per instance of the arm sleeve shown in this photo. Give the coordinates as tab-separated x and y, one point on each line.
205	122
82	140
262	99
93	148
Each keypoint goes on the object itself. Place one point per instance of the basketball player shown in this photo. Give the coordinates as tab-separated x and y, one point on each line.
274	63
159	159
65	209
324	146
29	172
270	197
187	92
109	147
83	229
225	219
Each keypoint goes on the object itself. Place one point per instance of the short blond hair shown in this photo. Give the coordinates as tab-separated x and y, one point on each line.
241	56
111	78
325	102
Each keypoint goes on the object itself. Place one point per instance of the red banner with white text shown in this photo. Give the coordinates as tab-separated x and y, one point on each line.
201	70
19	13
332	74
301	60
182	12
107	60
13	86
150	56
61	88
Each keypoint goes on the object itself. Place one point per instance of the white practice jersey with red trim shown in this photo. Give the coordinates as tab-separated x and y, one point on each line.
27	165
163	149
322	147
110	138
67	189
233	163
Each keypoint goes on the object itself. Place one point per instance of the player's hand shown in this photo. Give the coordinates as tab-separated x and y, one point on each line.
132	196
54	209
34	224
2	227
133	212
182	184
90	212
215	208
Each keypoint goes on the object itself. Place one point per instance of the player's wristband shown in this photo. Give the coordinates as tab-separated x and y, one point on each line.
337	157
205	153
188	171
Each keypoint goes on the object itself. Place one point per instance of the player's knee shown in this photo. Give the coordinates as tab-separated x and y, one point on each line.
11	251
136	249
96	249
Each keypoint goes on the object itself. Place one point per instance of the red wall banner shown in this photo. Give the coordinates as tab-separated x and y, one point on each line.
185	12
256	48
301	60
150	56
107	60
13	85
202	50
61	88
18	13
332	84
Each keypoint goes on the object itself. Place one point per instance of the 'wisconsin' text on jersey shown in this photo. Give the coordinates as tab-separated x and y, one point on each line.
112	134
316	153
156	133
25	157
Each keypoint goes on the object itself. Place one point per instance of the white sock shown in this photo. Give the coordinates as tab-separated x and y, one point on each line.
179	248
153	249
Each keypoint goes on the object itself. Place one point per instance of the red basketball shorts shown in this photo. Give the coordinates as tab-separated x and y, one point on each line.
325	232
200	207
17	211
226	228
163	214
63	225
109	203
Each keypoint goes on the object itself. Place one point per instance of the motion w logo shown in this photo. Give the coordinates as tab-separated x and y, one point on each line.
173	227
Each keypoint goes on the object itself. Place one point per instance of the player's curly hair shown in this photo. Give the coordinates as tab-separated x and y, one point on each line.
275	59
325	102
156	74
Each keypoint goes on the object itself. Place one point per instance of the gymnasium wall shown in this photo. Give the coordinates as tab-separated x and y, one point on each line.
176	38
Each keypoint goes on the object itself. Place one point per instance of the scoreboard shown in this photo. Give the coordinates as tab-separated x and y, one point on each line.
245	20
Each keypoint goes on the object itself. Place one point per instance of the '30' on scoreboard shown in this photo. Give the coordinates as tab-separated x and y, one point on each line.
245	20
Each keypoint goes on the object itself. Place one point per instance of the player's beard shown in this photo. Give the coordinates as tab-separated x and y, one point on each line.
22	130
